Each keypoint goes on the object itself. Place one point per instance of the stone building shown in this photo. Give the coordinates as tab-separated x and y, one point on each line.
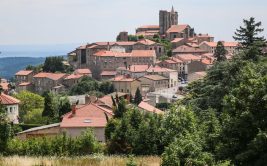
180	31
125	84
123	36
231	47
151	83
167	19
23	76
111	60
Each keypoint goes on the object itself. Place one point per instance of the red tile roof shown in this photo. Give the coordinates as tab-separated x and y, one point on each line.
23	72
136	68
188	57
83	71
53	76
146	42
147	107
158	69
177	40
226	44
207	61
25	84
188	49
4	85
108	73
203	35
122	78
177	28
90	115
143	53
134	53
73	76
8	100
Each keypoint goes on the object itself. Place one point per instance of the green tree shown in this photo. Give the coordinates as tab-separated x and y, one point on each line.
49	107
5	129
29	101
220	52
54	64
64	106
138	96
249	34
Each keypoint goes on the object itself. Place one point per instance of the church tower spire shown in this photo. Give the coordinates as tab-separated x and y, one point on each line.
172	9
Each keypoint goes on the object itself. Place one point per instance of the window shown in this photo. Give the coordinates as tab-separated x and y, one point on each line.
121	90
160	50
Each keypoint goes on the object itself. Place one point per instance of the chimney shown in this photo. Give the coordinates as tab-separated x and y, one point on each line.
73	109
108	46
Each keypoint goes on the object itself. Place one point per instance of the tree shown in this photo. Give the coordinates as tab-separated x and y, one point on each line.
29	101
138	96
249	34
220	52
1	89
54	64
49	108
5	129
64	106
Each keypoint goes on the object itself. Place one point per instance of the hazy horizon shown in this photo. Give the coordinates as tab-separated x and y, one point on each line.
53	22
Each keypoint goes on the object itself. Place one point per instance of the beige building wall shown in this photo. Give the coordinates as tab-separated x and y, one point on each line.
126	86
148	85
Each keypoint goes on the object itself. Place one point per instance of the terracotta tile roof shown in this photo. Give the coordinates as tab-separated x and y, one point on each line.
122	78
106	100
155	77
143	53
177	40
23	72
207	61
226	44
25	84
108	73
8	100
149	108
188	49
83	71
177	28
157	69
89	115
147	33
146	42
134	53
52	76
73	76
188	57
112	54
4	85
149	26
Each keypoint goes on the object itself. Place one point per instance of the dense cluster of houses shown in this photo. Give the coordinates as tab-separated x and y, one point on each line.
128	65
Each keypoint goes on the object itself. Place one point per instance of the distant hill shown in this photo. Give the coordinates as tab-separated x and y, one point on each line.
10	65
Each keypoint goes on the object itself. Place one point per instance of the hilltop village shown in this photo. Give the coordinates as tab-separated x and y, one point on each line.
155	64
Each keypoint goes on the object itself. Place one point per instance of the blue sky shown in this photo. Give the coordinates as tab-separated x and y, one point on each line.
80	21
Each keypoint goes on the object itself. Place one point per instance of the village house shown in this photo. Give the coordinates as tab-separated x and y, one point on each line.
88	116
231	47
84	72
72	79
48	82
204	37
74	123
125	84
180	31
151	83
149	108
148	31
12	107
172	63
171	74
24	86
24	76
176	42
134	71
106	101
111	60
107	75
5	87
185	49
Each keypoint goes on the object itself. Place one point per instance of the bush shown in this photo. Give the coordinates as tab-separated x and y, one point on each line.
61	145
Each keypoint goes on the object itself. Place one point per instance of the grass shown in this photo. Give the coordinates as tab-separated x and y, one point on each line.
96	160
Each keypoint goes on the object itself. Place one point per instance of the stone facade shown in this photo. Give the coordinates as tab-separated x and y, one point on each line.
167	19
